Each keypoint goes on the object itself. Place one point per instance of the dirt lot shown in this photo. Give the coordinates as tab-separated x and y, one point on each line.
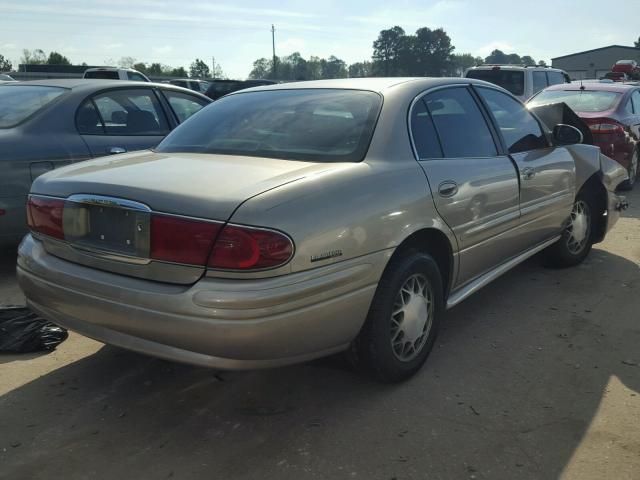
537	376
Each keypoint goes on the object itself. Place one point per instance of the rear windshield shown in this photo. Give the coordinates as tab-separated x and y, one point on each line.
579	100
320	125
104	74
512	80
21	101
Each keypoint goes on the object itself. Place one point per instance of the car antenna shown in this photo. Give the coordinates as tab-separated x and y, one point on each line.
581	85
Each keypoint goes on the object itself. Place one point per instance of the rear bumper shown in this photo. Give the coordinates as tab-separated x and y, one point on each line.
226	324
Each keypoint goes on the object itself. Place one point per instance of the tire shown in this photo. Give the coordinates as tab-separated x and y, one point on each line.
632	172
410	288
577	235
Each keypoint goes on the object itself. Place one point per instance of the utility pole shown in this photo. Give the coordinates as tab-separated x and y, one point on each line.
213	67
273	45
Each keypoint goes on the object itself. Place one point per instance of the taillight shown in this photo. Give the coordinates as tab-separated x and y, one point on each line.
44	215
604	126
182	240
246	248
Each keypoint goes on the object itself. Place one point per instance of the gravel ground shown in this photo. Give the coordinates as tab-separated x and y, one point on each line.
536	376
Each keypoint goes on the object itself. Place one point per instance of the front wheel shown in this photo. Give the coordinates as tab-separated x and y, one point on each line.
403	320
576	240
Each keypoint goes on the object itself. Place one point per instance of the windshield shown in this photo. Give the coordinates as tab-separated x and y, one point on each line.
579	100
20	101
512	80
320	125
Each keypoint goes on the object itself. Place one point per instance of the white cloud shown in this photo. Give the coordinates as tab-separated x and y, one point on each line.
163	50
112	46
487	49
290	45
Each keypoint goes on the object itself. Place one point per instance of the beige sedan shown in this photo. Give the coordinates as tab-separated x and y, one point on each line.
289	222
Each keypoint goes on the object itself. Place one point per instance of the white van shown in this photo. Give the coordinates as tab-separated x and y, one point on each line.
523	81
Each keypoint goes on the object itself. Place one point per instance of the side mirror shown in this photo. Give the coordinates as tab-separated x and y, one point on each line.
567	134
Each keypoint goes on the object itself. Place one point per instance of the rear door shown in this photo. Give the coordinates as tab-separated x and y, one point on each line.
547	173
122	120
474	185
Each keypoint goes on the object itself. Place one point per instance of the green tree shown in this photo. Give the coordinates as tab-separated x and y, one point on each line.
637	43
33	57
262	68
542	63
429	53
199	69
460	62
528	60
388	50
126	62
334	68
360	69
5	64
141	67
497	56
179	72
56	58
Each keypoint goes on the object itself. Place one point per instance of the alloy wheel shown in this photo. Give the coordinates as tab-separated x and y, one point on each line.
578	227
412	317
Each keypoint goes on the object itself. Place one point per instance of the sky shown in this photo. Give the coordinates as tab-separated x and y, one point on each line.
236	33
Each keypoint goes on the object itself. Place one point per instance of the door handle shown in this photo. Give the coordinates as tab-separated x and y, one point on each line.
448	188
116	150
528	173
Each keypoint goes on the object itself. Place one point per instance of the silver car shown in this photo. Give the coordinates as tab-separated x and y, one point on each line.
289	222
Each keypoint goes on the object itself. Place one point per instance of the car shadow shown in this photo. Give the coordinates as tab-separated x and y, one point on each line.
514	382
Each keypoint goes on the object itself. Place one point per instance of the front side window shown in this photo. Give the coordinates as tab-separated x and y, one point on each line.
461	127
511	80
184	105
21	101
131	112
520	130
320	125
539	81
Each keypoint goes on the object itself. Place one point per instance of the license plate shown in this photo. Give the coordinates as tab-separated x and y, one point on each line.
107	228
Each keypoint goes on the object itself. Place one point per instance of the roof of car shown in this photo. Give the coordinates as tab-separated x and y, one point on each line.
491	66
83	84
606	87
375	84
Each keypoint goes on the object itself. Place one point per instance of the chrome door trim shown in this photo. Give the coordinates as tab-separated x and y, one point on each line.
486	278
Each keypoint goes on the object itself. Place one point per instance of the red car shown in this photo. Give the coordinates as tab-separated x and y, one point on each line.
612	112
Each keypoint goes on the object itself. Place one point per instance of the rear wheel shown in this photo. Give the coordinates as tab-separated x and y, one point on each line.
632	172
577	239
403	320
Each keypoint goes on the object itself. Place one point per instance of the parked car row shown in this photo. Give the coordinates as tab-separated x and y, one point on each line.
288	222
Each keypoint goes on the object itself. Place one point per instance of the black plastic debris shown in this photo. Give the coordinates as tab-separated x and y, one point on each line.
22	331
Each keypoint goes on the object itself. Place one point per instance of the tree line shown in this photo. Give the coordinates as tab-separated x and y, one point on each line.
197	69
427	52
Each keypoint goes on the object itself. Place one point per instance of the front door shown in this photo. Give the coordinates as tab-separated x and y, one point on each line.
474	188
547	173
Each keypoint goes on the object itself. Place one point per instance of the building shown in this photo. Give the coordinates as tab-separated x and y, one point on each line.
595	63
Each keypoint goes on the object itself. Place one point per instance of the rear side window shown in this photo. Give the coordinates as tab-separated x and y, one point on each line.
104	74
555	77
462	129
21	101
88	120
539	81
424	133
520	130
184	105
130	112
511	80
